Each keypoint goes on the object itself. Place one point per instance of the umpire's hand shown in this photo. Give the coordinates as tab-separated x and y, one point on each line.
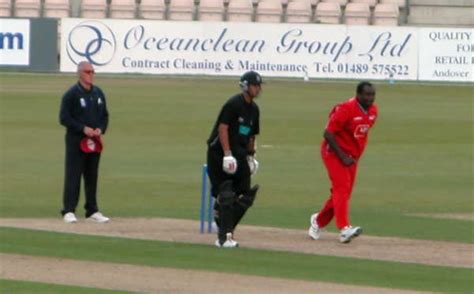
89	132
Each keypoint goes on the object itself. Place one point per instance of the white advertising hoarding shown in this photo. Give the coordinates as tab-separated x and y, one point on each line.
446	54
14	41
222	48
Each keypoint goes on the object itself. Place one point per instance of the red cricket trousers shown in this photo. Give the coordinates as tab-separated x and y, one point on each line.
342	180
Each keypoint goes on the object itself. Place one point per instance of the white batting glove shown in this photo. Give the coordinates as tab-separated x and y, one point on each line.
229	164
253	164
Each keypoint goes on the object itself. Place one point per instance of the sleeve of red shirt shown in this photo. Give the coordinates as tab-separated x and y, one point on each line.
337	119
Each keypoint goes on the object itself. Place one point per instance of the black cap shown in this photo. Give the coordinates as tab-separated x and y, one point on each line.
251	78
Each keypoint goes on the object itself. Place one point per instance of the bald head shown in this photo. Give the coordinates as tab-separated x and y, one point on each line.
85	72
83	65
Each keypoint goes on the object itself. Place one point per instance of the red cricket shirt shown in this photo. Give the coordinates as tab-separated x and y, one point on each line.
350	124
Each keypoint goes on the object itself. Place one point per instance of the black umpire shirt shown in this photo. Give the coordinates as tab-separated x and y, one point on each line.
80	108
243	121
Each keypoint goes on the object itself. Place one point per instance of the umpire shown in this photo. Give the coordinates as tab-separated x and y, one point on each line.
231	158
85	116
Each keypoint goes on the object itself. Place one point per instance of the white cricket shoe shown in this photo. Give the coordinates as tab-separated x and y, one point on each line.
98	218
229	242
348	233
70	218
314	231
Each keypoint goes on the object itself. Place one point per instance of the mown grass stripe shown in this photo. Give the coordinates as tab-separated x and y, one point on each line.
242	260
27	287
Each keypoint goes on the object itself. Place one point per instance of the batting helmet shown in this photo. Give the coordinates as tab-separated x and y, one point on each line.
250	78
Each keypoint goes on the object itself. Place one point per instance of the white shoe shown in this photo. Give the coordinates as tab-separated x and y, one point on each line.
70	218
349	233
229	242
98	218
314	231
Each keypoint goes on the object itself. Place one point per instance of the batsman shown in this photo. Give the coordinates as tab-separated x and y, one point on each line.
231	158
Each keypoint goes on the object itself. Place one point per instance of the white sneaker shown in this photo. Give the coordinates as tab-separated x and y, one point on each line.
98	218
314	231
70	218
229	242
348	233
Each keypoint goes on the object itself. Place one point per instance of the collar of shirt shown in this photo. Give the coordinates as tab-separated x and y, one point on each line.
81	88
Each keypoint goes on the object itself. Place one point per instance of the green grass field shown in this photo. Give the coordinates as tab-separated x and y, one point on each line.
419	157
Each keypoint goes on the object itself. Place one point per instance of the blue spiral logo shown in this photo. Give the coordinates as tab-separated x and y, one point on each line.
92	41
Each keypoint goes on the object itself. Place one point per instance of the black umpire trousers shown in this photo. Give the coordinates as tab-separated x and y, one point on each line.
78	164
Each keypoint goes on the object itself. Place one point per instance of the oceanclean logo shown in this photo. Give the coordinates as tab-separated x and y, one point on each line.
91	41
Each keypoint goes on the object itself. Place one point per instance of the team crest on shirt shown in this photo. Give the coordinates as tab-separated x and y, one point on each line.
83	102
99	101
361	131
241	119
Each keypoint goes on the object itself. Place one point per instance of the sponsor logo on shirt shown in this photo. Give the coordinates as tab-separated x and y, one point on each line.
244	130
361	131
358	118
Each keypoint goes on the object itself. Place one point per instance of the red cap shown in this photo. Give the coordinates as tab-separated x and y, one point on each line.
91	145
